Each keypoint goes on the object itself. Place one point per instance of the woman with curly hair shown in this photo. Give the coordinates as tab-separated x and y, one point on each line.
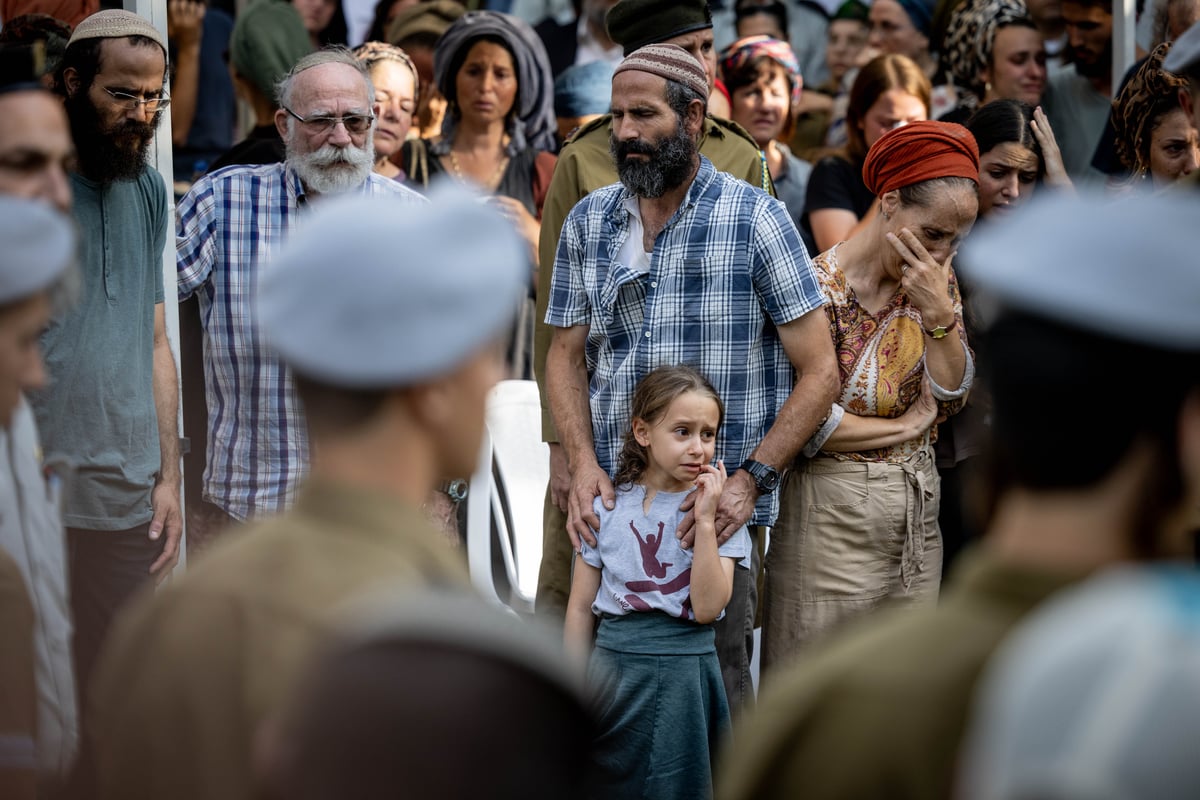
1155	137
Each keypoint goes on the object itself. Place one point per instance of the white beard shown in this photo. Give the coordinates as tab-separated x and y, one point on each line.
333	170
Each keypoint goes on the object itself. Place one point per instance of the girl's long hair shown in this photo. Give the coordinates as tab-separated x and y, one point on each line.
651	399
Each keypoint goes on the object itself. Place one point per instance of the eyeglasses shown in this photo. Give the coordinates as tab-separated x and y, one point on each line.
130	102
323	123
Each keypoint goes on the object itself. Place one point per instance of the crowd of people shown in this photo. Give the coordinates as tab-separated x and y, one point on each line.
958	494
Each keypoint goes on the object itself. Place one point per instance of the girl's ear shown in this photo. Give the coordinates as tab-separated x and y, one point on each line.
641	431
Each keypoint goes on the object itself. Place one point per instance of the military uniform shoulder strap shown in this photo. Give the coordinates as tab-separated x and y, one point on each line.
726	128
599	122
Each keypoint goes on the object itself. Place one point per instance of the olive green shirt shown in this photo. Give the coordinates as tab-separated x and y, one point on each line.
190	674
586	164
880	711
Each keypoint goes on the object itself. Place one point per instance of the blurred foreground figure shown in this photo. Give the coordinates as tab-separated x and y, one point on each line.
1093	368
35	269
1097	696
38	735
393	365
434	696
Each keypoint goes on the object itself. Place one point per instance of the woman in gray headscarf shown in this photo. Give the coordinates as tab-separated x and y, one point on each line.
498	132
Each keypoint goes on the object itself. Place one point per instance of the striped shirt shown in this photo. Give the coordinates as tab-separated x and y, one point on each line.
726	270
227	228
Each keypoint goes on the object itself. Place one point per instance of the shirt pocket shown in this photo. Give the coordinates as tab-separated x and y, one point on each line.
711	291
621	287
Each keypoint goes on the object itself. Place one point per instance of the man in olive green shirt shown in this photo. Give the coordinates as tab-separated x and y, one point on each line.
1092	468
190	675
584	165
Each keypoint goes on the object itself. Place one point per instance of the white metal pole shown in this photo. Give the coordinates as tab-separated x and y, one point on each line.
160	159
1124	39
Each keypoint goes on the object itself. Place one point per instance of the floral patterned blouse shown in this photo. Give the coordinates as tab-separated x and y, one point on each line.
881	358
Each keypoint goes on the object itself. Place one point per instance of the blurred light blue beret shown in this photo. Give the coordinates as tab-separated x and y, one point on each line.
378	292
39	247
1120	268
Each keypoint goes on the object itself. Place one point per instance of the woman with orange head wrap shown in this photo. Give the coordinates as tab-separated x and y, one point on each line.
858	521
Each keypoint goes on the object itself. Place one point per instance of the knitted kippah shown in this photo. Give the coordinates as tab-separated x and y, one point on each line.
668	61
115	23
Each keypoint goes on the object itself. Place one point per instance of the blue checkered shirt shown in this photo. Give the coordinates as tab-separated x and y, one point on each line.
728	267
227	228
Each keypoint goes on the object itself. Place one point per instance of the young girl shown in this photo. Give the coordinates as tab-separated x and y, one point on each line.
654	656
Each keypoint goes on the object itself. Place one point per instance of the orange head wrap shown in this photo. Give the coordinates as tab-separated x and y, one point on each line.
920	151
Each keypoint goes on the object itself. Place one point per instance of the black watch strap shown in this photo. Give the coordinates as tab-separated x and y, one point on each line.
766	477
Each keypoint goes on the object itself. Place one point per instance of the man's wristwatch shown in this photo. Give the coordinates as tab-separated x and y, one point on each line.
766	477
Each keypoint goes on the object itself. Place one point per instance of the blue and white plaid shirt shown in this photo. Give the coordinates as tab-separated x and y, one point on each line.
726	270
227	228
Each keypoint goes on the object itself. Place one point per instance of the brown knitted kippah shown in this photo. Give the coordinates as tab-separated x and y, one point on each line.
115	23
668	61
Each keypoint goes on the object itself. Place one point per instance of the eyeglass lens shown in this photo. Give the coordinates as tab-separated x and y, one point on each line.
355	123
130	102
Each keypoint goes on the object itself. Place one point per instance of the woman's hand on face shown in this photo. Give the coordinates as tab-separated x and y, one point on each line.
1056	173
924	280
709	485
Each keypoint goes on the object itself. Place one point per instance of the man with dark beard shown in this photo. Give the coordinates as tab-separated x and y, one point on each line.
584	165
228	224
682	264
109	410
1078	98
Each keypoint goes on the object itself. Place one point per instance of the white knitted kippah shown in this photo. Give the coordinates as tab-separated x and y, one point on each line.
115	23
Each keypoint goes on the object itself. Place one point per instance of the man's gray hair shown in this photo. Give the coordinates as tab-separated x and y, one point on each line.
680	96
332	54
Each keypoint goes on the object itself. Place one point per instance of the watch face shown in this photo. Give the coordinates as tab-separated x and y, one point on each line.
766	478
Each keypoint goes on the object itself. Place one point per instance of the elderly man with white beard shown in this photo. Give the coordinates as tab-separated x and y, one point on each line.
228	228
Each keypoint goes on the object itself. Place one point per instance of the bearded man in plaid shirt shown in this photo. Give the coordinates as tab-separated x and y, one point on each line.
682	264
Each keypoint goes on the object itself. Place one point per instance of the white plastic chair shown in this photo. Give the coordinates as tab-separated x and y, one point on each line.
504	505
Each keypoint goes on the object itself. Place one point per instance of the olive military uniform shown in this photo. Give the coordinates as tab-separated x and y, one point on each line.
189	675
584	165
880	711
